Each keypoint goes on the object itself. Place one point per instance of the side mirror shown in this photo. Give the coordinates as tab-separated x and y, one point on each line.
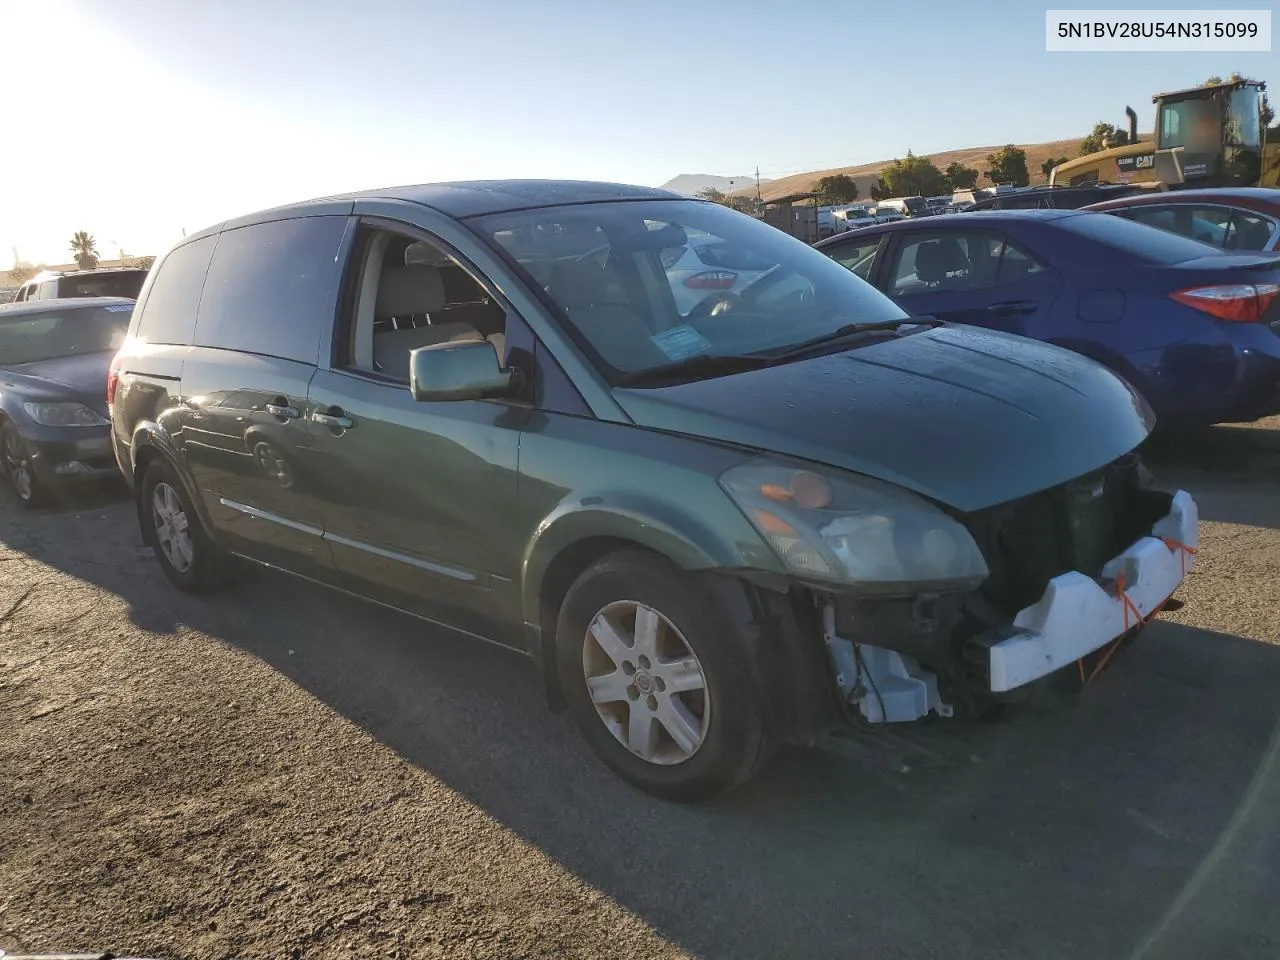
458	370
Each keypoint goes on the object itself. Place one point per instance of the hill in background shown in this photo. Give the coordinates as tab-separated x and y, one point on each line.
864	175
691	184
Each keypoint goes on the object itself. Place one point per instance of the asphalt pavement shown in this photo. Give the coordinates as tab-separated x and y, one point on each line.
282	771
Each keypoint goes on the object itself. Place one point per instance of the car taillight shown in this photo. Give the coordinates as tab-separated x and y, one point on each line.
1238	302
711	280
113	379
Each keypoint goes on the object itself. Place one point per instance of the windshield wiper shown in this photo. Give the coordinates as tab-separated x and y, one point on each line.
694	368
848	331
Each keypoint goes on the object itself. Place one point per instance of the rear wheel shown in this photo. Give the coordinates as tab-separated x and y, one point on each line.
19	469
187	556
657	682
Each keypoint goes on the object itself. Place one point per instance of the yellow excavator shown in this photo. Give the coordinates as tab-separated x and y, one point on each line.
1204	137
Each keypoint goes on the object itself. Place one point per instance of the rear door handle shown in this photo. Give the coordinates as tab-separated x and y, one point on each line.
1014	306
333	418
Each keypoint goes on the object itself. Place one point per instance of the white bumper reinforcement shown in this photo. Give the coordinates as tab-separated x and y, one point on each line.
1077	615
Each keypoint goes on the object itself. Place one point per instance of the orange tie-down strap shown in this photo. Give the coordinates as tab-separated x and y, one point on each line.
1183	551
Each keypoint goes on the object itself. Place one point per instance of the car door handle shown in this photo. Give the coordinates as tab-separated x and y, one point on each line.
283	410
333	418
1014	306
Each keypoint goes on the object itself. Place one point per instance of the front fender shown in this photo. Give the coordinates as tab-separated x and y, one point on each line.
658	525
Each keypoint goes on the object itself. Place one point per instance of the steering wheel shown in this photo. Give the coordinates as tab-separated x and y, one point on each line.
716	305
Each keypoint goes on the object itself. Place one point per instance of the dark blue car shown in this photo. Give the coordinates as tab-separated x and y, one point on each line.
1196	330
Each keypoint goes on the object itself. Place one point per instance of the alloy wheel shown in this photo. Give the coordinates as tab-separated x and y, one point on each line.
646	683
17	465
173	529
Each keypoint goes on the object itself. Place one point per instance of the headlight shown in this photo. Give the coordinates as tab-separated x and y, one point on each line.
64	415
853	530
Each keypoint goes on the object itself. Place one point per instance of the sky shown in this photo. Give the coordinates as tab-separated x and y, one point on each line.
139	120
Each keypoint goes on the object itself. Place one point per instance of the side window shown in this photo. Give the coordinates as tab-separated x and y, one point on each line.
405	293
1211	225
48	291
1012	262
271	288
950	261
858	256
168	314
1249	231
1159	217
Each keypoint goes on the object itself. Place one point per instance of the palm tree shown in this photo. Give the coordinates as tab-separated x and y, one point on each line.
85	249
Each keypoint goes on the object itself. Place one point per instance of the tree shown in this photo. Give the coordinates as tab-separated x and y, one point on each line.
1104	136
1047	167
22	272
961	177
1009	165
733	201
85	249
837	188
879	191
1268	114
911	177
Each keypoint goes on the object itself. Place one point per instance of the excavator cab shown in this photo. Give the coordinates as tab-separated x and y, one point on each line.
1210	136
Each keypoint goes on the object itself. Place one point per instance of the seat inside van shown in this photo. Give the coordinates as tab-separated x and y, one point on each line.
414	295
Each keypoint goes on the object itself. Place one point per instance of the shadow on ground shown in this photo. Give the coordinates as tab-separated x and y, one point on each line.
1145	809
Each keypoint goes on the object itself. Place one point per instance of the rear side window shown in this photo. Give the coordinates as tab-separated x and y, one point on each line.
272	287
1145	243
168	314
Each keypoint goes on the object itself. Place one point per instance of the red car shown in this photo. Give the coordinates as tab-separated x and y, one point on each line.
1234	218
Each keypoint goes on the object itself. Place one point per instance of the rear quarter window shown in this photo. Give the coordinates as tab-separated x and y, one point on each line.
271	288
1135	239
167	313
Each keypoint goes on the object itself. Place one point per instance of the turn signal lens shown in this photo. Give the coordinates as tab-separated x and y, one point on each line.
773	524
806	490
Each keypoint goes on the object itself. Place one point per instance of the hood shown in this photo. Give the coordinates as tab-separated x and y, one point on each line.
967	417
82	378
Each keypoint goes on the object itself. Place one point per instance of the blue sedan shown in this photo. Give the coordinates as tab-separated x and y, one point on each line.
1194	329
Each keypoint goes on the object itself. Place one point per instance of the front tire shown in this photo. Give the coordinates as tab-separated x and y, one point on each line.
657	681
187	556
18	467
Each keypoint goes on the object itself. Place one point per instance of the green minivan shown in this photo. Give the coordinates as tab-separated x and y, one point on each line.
719	518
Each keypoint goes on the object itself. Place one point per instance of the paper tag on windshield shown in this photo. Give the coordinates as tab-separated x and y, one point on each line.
680	342
119	307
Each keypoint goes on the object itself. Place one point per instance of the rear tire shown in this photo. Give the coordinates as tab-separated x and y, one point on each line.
191	561
657	681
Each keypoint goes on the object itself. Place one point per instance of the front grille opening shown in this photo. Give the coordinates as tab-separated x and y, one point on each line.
1078	525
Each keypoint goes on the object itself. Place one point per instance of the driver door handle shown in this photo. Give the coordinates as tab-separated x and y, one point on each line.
1014	306
332	417
283	410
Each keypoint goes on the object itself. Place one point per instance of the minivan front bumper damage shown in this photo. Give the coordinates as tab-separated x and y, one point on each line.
1075	616
1078	615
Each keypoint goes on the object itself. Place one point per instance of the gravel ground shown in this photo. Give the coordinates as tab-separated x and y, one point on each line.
280	771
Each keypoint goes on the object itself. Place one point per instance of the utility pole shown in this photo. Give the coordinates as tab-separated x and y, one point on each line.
758	200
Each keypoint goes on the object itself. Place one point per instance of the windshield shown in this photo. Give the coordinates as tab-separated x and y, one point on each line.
62	333
1150	244
637	284
1244	119
916	204
125	283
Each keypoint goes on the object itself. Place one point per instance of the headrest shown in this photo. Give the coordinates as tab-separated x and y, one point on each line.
936	258
403	291
577	284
